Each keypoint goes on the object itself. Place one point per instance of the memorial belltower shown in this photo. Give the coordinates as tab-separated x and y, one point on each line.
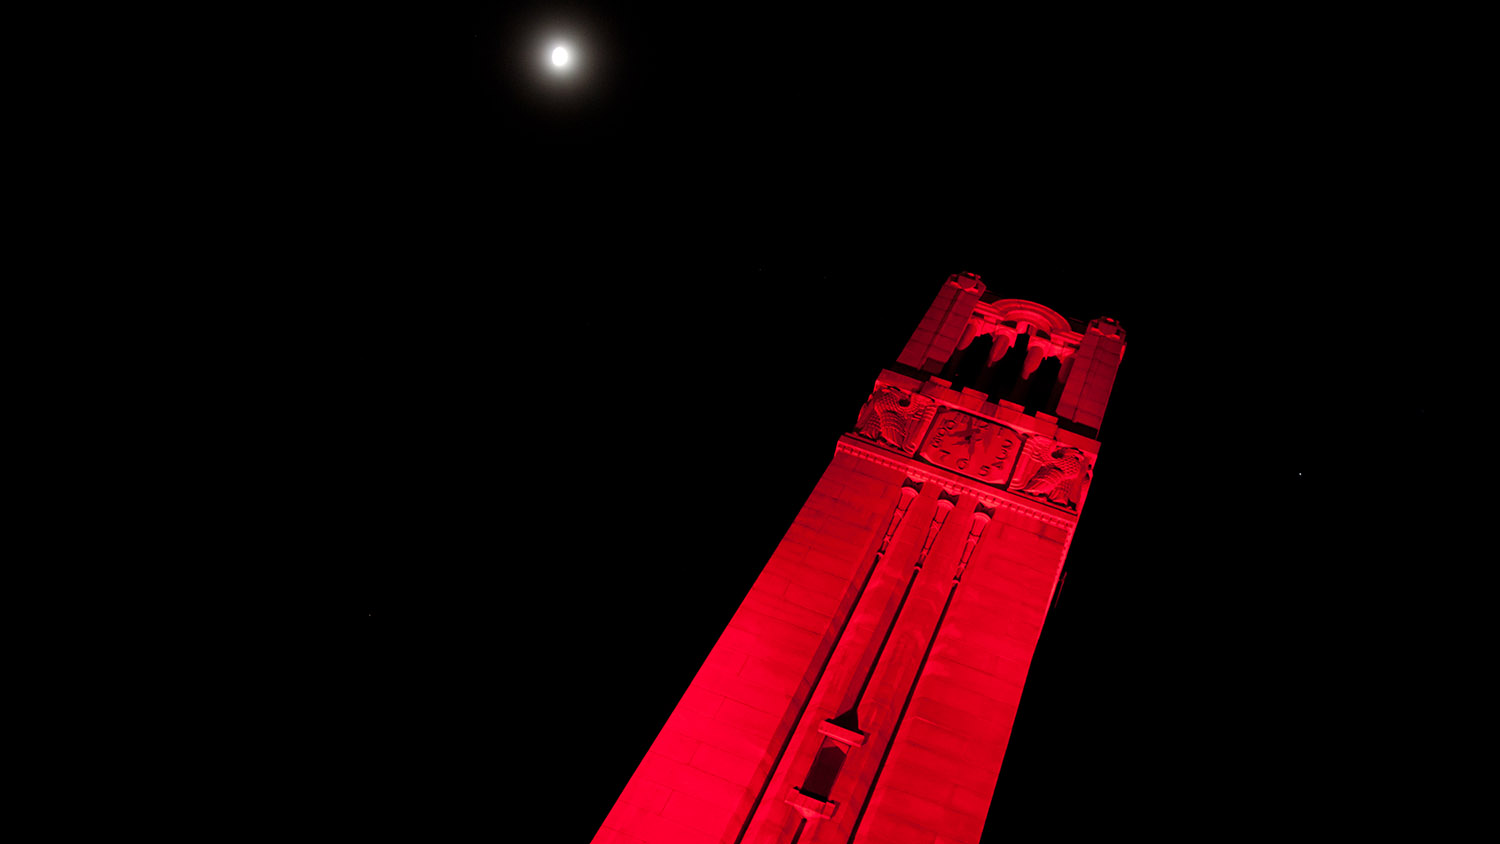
864	690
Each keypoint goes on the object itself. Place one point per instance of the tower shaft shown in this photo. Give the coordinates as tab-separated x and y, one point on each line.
864	691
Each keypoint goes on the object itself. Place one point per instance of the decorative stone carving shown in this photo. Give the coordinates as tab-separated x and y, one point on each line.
1004	337
969	445
895	417
1056	473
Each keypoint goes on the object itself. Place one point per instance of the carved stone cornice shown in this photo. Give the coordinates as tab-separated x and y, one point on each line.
988	495
1000	447
1005	413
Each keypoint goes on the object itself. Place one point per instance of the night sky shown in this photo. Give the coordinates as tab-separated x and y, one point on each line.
600	338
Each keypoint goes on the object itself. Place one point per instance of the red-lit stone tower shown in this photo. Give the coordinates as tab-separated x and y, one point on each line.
865	689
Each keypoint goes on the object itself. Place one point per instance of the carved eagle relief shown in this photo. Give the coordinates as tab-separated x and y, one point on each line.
1054	472
896	417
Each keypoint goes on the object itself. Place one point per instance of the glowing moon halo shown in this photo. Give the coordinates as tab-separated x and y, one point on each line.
560	56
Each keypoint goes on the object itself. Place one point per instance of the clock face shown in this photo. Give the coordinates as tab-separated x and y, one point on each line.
971	446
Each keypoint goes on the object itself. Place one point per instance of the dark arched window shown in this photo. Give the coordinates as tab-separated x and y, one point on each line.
967	365
1038	389
825	769
1001	378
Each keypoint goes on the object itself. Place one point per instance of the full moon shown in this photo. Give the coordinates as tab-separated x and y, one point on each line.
559	56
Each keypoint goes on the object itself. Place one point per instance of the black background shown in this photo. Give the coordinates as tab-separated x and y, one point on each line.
595	345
